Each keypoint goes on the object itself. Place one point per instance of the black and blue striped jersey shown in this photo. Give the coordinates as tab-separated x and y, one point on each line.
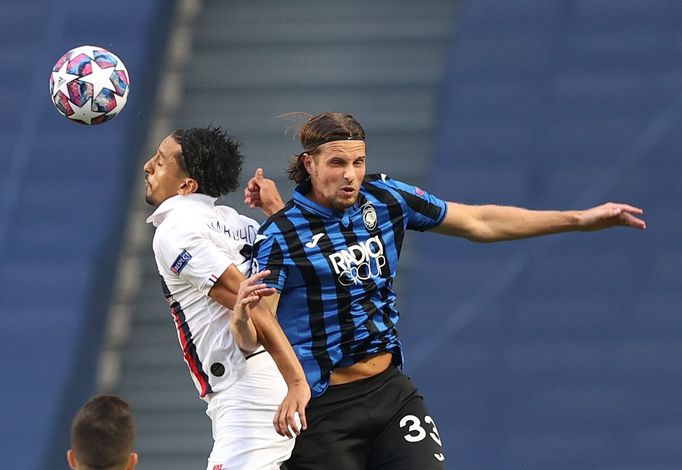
334	271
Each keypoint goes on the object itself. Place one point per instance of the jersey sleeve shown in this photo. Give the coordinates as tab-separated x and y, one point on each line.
190	256
423	210
269	254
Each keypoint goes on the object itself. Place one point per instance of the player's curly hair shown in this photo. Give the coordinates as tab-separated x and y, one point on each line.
211	157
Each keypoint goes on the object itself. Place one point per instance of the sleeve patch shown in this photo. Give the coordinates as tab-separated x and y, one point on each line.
180	262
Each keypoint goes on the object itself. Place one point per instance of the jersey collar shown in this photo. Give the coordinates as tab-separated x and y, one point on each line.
194	199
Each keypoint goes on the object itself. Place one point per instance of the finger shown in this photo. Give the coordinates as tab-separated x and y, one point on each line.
256	278
259	175
275	422
252	185
302	418
251	288
266	292
250	299
252	202
632	221
293	425
632	209
283	424
250	197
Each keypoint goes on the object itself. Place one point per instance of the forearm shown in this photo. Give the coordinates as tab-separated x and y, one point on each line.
512	223
490	223
271	336
245	335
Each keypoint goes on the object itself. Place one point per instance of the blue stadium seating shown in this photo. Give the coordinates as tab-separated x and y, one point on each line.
65	196
559	352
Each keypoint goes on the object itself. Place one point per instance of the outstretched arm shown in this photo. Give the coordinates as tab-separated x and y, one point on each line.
253	323
262	192
491	223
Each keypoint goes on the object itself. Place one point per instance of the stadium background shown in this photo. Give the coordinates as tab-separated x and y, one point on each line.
556	353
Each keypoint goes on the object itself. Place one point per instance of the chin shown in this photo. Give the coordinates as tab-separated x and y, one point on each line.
150	200
343	204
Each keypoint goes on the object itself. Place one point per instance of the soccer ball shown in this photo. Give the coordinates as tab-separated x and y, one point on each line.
89	85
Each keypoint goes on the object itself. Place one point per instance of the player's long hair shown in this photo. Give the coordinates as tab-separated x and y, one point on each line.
211	157
318	130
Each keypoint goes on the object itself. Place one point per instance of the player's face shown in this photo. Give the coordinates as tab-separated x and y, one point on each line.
163	176
336	173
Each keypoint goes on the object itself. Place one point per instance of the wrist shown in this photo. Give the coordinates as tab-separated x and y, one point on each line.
577	219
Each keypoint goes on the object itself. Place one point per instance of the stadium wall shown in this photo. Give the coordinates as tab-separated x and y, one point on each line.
66	190
556	352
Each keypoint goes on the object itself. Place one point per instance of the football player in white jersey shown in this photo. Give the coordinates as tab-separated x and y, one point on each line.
203	252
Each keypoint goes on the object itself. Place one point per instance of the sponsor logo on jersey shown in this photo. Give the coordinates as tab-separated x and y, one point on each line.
180	262
359	262
369	216
316	238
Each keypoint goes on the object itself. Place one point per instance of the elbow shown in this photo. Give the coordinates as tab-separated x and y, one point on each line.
481	235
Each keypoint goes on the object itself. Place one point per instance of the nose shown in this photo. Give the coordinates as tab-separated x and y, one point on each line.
349	173
148	167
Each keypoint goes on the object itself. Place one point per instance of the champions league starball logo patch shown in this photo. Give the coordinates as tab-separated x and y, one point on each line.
369	216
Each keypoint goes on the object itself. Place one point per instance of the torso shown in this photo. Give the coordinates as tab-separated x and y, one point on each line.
363	369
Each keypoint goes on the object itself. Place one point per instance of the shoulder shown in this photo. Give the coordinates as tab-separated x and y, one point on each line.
229	217
282	218
179	225
383	188
375	179
382	182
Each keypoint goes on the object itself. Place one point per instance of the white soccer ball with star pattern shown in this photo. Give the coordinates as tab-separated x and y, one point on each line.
89	85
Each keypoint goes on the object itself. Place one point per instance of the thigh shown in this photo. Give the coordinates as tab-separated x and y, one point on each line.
410	441
250	447
335	439
243	433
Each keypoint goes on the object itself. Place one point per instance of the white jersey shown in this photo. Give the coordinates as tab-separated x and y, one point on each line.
195	242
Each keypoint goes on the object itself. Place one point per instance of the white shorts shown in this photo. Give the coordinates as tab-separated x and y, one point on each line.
243	434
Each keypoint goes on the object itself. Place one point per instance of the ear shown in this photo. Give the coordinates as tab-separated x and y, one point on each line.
71	458
132	462
188	186
308	163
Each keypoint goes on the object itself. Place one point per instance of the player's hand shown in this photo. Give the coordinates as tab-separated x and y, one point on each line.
262	192
250	291
611	215
293	407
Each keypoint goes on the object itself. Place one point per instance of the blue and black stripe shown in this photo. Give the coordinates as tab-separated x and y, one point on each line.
335	271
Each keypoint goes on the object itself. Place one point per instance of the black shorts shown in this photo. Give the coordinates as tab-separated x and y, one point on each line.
376	423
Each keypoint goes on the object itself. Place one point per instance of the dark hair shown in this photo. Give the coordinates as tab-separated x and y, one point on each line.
102	432
211	157
318	130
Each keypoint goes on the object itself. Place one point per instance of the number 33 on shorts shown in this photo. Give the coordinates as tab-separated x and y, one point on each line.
417	433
